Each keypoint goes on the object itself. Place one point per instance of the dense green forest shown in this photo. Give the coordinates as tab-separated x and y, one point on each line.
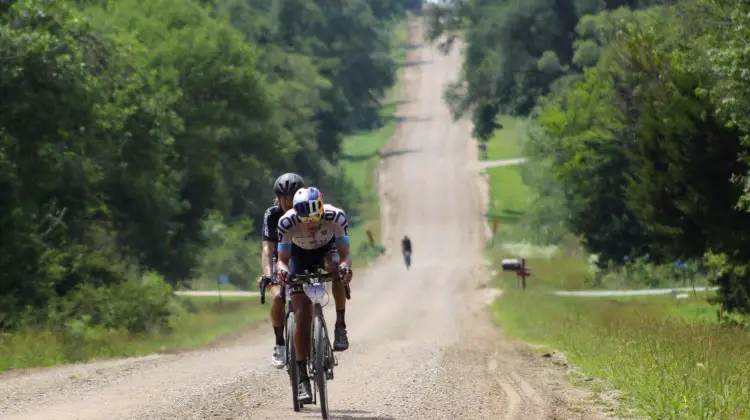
139	140
638	114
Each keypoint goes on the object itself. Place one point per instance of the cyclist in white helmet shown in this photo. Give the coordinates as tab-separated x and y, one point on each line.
313	234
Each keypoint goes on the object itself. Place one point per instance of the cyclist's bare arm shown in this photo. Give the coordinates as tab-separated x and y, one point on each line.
344	253
284	247
284	256
269	239
269	248
341	232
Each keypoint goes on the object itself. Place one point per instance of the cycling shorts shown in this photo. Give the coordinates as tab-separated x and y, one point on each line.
309	259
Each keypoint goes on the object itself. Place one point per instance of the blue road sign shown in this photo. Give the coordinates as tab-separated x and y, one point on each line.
680	264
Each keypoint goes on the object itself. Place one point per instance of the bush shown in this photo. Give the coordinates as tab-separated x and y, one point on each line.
229	251
369	252
135	307
641	274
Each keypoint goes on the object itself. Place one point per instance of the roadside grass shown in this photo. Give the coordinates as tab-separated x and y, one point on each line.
550	269
669	358
666	365
206	321
508	203
504	143
694	308
360	159
509	195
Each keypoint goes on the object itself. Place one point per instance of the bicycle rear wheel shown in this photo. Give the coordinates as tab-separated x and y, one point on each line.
291	356
322	350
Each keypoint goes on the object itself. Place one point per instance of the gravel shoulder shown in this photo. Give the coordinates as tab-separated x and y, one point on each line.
422	344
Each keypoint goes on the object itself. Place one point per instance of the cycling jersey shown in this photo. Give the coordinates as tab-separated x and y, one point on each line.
271	223
406	245
291	231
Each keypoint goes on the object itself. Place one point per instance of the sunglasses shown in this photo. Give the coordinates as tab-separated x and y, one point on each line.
310	219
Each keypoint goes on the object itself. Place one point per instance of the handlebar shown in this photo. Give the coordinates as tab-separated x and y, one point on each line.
266	280
300	279
263	284
320	276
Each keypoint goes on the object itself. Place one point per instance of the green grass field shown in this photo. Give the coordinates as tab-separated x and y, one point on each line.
509	195
504	143
208	321
361	161
669	358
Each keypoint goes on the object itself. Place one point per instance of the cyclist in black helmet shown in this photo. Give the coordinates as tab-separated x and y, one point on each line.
284	188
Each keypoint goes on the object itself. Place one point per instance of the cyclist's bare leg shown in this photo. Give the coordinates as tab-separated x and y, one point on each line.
340	342
277	314
339	289
339	296
303	316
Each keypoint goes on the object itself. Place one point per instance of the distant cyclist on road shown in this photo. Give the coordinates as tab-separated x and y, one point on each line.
406	250
284	188
313	234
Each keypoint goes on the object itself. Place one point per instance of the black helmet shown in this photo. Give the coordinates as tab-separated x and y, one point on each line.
288	184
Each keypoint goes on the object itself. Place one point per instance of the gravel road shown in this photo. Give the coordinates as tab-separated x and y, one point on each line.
422	344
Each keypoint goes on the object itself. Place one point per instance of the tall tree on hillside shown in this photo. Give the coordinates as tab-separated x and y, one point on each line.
229	138
515	52
85	137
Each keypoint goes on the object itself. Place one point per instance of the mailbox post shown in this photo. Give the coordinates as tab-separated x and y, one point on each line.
519	267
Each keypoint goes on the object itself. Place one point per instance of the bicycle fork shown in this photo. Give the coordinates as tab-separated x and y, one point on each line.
331	360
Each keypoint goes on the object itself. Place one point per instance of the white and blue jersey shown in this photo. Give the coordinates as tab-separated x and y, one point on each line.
333	225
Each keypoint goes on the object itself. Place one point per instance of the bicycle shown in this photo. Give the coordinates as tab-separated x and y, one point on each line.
320	352
407	259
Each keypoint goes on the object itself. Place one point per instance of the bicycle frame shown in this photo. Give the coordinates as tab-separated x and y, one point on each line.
321	358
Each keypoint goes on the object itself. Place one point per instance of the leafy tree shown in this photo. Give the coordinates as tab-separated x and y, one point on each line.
648	163
68	97
515	51
131	131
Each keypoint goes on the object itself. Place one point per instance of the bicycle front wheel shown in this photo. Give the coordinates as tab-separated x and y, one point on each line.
322	350
291	361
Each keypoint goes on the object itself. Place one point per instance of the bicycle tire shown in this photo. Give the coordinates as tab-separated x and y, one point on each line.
321	353
292	367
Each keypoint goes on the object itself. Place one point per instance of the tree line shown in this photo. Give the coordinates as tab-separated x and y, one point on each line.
638	121
139	139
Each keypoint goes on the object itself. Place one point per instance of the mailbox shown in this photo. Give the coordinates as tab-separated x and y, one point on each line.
511	264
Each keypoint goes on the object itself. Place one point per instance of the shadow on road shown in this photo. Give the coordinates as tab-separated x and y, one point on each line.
355	415
386	155
382	155
398	102
402	119
414	63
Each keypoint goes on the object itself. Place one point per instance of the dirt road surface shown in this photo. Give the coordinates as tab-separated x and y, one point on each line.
422	344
